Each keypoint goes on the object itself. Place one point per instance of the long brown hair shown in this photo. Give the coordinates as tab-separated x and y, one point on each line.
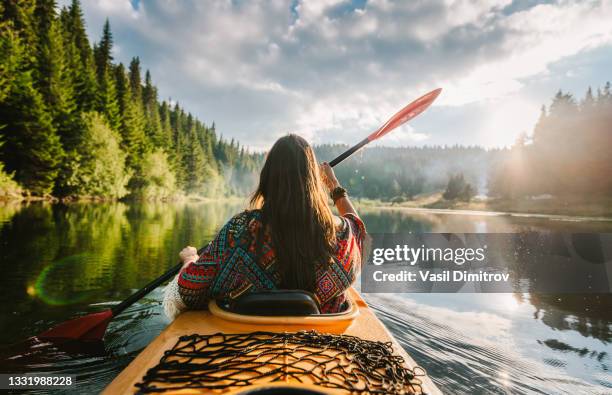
294	209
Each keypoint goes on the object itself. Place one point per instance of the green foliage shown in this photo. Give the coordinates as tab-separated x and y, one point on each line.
398	200
32	148
166	134
9	189
153	128
158	180
24	123
388	172
10	59
108	101
79	57
131	120
458	189
102	51
100	170
196	166
53	78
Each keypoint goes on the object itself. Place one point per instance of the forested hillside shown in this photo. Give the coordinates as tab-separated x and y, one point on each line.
73	122
387	173
569	152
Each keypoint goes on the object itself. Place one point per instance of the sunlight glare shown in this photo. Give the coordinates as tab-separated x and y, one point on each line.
508	302
504	378
510	117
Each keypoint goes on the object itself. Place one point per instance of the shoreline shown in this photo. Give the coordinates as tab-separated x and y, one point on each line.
95	200
490	213
571	207
423	205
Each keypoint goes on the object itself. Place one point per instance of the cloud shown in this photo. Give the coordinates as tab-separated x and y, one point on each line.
333	70
536	38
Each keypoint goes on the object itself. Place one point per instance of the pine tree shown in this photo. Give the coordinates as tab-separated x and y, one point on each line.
80	56
176	121
107	95
135	95
149	93
181	145
10	59
211	167
76	27
135	80
153	119
195	165
103	53
588	104
108	103
539	131
166	129
54	79
130	126
49	72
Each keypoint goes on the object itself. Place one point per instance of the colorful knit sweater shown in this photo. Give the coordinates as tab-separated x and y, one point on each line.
229	267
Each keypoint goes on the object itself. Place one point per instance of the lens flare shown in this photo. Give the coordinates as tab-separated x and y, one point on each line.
56	284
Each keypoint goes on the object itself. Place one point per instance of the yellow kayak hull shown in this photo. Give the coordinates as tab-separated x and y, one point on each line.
360	321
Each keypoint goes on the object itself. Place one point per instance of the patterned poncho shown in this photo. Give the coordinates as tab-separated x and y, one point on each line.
232	265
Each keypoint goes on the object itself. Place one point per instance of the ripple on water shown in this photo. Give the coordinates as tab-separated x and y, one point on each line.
462	361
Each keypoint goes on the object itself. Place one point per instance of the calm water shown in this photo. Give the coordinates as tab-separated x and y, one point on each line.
58	261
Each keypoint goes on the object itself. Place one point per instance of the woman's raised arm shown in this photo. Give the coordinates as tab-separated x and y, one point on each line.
342	202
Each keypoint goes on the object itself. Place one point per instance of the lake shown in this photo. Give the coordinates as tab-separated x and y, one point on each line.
61	260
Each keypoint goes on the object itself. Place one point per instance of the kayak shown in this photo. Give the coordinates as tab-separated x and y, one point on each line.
223	351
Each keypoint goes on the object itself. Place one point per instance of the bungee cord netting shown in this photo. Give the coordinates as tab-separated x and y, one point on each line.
229	361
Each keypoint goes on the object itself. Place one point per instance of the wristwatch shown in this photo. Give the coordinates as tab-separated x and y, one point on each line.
337	193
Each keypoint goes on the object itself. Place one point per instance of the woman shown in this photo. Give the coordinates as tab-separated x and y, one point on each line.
289	239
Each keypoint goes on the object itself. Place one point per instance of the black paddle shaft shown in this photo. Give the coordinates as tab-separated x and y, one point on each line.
148	288
349	152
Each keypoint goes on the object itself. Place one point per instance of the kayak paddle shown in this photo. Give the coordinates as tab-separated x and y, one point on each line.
93	326
404	115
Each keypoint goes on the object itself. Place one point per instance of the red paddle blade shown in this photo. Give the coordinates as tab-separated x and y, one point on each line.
89	327
407	113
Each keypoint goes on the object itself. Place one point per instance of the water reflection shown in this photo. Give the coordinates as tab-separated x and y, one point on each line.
69	256
588	315
61	260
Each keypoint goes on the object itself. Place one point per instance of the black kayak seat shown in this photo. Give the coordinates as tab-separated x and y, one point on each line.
275	303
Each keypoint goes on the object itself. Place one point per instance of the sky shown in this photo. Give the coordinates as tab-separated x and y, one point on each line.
333	71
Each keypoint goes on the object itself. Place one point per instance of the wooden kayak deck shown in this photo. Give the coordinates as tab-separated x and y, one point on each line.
365	326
